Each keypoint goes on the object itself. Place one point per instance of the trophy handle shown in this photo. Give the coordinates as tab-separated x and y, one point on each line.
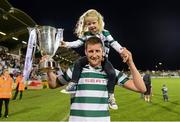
38	36
30	29
59	38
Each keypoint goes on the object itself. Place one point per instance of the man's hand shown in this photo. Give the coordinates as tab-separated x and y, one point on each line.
50	73
45	57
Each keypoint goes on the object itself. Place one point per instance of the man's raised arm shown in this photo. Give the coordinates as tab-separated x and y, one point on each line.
137	83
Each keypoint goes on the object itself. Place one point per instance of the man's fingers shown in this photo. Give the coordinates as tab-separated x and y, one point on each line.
44	58
125	58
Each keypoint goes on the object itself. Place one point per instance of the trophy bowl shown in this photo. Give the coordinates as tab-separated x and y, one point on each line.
49	40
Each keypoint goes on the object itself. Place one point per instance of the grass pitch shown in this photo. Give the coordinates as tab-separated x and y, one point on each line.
51	105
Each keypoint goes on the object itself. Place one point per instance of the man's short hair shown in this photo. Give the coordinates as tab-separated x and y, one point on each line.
93	40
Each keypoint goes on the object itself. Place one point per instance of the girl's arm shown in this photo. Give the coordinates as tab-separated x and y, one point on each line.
114	44
73	44
117	46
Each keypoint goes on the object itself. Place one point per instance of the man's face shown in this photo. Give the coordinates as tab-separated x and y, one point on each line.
94	54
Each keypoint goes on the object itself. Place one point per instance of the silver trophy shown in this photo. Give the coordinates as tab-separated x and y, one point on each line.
49	40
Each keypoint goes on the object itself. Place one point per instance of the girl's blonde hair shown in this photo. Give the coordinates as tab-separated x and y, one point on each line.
81	27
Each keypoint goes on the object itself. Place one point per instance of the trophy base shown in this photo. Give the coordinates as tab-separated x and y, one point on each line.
48	65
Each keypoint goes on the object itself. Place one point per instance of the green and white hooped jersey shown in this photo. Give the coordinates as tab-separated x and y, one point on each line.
90	103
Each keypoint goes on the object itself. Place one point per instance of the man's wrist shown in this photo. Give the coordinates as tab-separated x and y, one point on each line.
131	64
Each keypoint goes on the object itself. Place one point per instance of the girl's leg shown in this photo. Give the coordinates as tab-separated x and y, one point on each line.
111	83
78	66
110	71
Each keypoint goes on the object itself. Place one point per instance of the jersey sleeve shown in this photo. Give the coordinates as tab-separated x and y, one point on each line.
64	77
114	44
121	77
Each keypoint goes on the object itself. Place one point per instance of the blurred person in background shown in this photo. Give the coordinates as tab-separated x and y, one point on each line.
147	81
165	92
1	69
6	84
19	86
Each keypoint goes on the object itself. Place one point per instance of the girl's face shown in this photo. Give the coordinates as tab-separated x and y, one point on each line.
92	24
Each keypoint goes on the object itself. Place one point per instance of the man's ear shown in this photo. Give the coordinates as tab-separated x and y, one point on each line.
103	53
85	52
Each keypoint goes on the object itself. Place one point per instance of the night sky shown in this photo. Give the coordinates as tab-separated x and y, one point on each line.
148	28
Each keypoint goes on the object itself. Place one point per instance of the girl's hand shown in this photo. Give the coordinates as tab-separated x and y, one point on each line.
127	56
124	54
63	44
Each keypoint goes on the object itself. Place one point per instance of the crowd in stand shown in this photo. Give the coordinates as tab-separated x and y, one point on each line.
7	61
15	65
